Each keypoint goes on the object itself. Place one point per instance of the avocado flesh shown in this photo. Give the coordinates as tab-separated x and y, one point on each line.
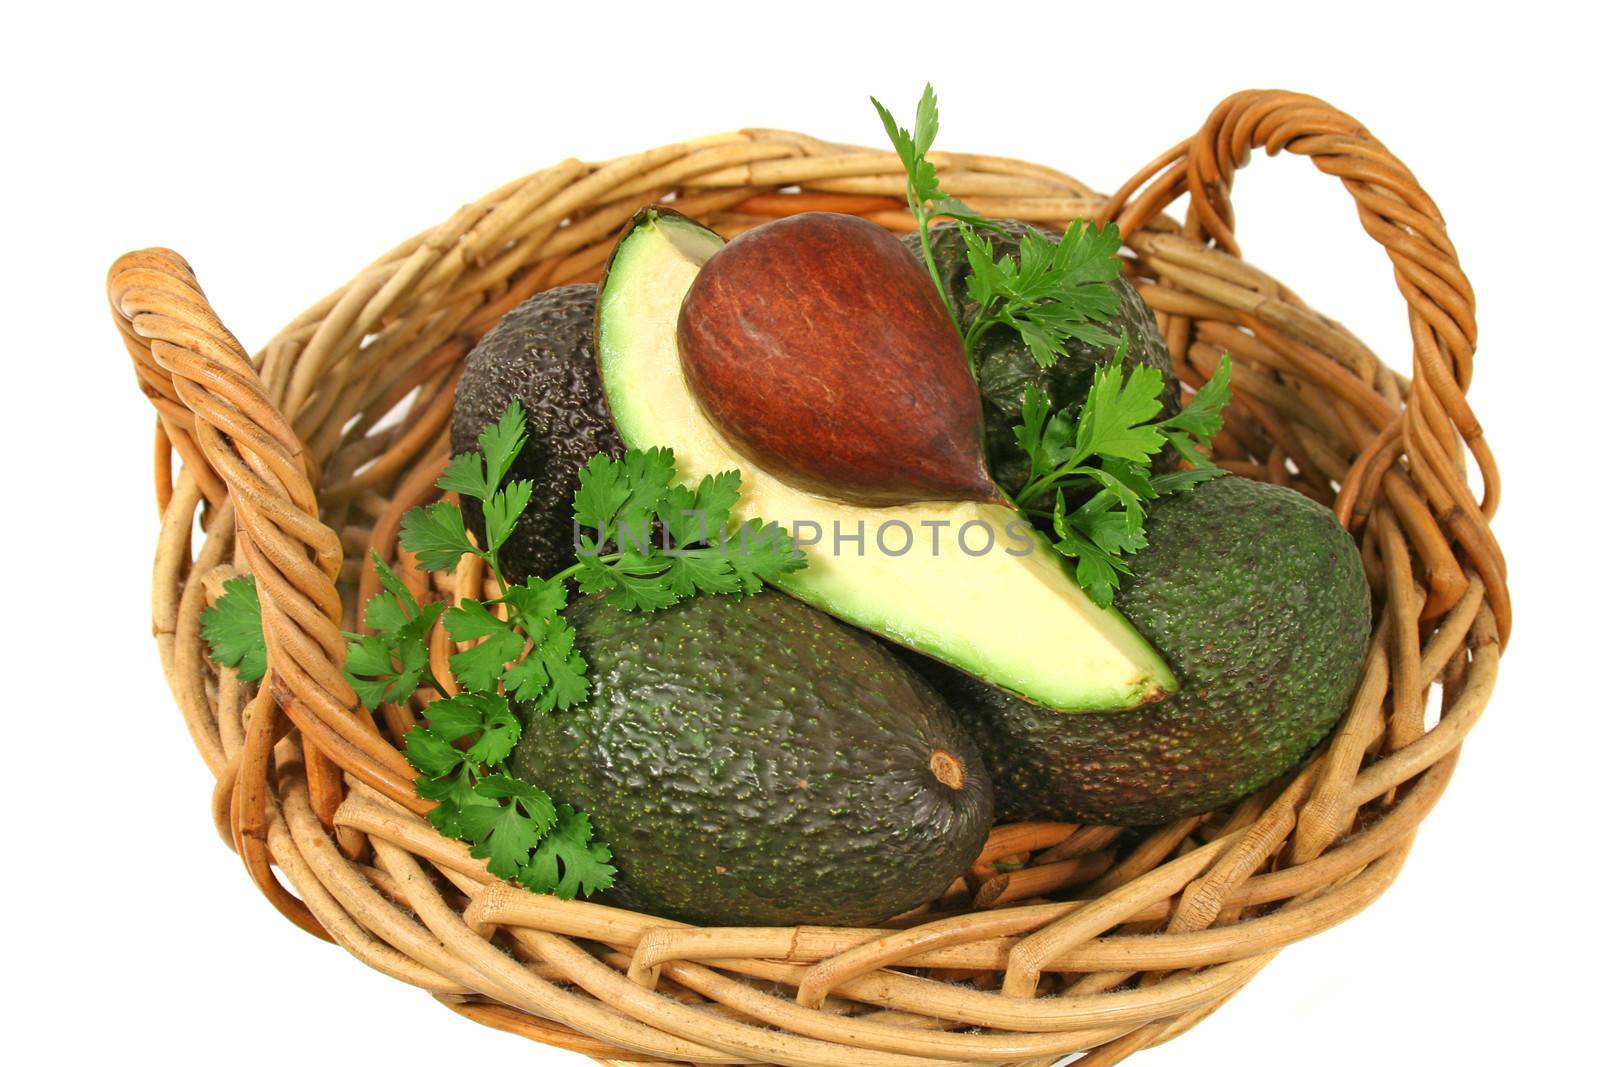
1257	596
754	762
1015	620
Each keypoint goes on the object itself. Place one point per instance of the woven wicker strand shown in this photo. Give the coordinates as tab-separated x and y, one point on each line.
301	461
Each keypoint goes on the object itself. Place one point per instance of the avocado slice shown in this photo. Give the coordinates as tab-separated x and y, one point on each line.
753	762
1257	596
1003	608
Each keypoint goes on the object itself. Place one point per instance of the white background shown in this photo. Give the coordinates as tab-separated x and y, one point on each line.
279	149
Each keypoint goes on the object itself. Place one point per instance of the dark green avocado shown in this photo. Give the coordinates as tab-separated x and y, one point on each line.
754	762
1256	597
1006	368
542	354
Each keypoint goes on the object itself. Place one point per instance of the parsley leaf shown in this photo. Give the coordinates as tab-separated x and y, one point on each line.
232	627
567	860
555	671
387	666
464	474
618	498
1183	481
601	493
759	553
431	752
699	515
502	510
1116	415
500	814
502	441
452	792
1192	428
1030	432
485	716
371	670
631	580
477	474
436	535
536	598
480	666
1201	418
505	834
1095	537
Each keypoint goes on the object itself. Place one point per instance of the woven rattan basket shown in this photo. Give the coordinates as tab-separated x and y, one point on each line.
299	461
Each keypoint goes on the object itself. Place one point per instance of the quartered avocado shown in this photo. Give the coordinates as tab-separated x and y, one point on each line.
754	762
1006	368
967	582
541	354
1257	597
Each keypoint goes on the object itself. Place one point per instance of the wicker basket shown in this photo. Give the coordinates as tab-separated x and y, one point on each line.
299	461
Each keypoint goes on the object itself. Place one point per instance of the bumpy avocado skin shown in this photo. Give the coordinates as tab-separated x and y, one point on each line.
542	354
1256	597
1006	368
754	762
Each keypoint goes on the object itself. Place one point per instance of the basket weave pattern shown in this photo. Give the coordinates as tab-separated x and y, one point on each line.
300	461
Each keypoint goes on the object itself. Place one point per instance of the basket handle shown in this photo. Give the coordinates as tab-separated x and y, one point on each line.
1399	215
219	417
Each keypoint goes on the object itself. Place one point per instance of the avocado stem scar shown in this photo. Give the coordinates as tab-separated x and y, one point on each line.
947	769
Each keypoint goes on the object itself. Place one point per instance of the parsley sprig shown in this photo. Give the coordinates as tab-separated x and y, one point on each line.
1050	292
923	196
1091	476
437	534
644	540
646	543
670	541
510	822
518	640
1101	462
388	665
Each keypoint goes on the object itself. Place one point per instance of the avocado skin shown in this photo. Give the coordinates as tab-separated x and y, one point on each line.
754	762
1256	597
1006	368
540	353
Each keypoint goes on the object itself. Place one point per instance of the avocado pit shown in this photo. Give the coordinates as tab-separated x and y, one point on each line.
818	345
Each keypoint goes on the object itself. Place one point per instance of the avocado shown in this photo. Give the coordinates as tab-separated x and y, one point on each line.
754	762
1256	596
1006	368
541	354
967	582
